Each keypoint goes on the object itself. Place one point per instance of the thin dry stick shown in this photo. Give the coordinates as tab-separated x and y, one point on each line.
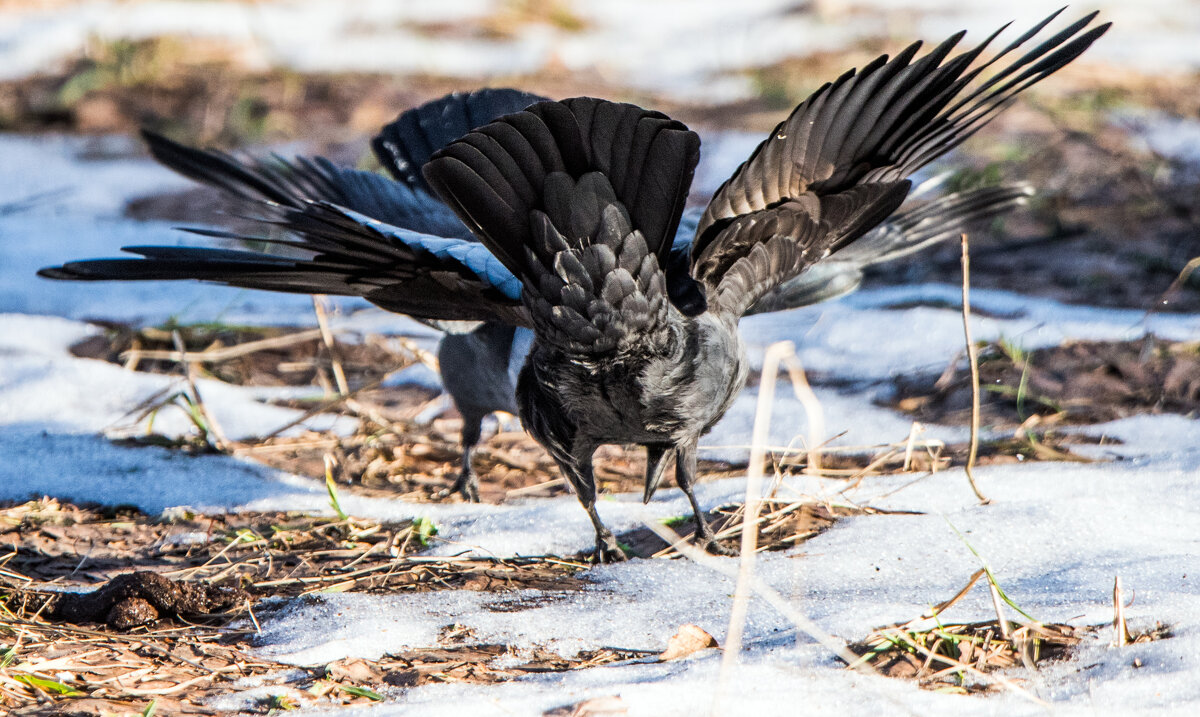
323	407
1000	619
763	590
188	368
1120	629
339	374
1184	274
223	353
812	410
741	595
421	354
973	358
909	445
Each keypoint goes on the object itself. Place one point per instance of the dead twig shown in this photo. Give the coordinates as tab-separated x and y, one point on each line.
973	358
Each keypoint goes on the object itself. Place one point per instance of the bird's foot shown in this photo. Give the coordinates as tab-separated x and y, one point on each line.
713	546
467	486
608	550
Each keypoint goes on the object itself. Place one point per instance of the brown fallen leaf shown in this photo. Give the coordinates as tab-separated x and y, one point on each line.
356	671
689	639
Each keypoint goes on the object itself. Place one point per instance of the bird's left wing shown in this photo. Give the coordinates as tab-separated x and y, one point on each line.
838	165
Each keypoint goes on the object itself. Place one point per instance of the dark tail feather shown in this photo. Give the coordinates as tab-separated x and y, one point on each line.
495	176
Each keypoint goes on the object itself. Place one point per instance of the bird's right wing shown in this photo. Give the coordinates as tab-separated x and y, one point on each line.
338	252
344	231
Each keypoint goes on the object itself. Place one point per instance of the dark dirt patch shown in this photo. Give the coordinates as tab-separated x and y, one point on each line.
388	452
1080	382
196	90
210	568
133	599
69	670
477	664
960	657
421	462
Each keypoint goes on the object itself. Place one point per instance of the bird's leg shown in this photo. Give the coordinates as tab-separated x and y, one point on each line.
583	479
685	476
468	483
607	548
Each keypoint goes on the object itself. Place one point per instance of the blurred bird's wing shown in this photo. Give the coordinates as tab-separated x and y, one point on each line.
402	147
902	234
267	187
837	166
345	231
405	146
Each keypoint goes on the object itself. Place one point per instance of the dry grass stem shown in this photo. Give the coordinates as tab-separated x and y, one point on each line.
766	592
999	608
1120	627
812	410
218	354
775	354
189	369
1180	279
973	358
339	373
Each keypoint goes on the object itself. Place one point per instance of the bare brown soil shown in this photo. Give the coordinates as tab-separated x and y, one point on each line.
1080	382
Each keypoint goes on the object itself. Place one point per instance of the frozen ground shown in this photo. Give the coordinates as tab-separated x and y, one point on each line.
690	49
1056	535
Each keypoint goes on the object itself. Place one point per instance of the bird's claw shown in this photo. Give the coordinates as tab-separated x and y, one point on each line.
467	486
714	547
608	551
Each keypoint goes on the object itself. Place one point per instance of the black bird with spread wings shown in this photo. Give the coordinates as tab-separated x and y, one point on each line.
479	361
576	206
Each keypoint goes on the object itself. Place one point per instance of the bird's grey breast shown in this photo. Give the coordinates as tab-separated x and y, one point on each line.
666	395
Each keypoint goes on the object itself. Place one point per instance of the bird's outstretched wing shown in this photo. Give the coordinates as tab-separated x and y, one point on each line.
344	231
265	187
405	146
903	233
580	199
838	164
339	252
